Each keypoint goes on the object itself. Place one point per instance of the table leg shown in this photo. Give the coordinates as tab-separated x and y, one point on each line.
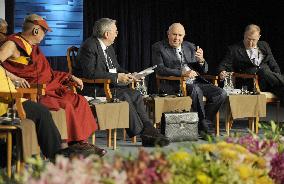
114	139
94	138
9	154
217	126
256	124
251	124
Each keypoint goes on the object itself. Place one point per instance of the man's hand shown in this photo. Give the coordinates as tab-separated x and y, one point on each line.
223	74
199	55
190	74
125	78
78	81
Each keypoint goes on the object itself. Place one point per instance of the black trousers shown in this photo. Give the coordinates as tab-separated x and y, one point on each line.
138	117
49	138
215	96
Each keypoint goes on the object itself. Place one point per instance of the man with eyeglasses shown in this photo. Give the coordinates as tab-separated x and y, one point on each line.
25	63
97	60
252	56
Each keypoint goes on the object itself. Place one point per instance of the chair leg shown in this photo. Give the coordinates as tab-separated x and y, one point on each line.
109	138
133	139
9	154
114	139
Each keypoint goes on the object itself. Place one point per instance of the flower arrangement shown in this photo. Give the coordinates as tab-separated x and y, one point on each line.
247	159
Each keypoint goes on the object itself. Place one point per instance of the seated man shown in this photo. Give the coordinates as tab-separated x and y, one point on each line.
97	60
252	56
49	138
175	57
21	57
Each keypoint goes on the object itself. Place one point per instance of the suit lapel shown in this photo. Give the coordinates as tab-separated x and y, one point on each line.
100	52
186	53
243	54
170	52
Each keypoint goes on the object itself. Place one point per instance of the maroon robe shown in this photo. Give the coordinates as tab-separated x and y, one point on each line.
80	120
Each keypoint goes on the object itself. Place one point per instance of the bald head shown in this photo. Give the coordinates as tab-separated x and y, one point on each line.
176	34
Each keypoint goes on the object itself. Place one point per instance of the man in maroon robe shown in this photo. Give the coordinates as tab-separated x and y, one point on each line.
21	57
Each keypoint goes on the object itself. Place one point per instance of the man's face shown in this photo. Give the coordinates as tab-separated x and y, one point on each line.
111	34
251	38
176	35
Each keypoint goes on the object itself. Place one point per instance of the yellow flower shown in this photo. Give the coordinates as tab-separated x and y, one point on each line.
229	154
264	179
240	149
179	156
245	171
202	178
207	148
261	162
224	144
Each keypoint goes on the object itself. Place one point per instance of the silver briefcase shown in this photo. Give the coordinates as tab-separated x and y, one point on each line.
180	126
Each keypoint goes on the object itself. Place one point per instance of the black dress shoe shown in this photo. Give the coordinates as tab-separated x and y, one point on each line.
151	137
88	149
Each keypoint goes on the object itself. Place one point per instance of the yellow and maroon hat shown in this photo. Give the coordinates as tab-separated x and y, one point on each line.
42	23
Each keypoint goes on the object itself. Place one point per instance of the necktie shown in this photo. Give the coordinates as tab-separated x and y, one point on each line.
108	59
178	54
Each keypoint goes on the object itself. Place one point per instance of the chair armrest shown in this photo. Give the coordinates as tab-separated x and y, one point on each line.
212	78
248	76
32	92
106	83
173	78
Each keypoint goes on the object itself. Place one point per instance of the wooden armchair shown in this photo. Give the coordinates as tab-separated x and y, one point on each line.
71	62
20	131
211	78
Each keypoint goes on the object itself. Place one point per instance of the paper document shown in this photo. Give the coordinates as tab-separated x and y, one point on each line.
145	72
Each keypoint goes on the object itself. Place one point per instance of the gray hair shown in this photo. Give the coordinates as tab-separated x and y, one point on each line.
101	26
173	26
3	25
252	27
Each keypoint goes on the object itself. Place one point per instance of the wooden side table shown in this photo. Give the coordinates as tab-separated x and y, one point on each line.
112	116
245	106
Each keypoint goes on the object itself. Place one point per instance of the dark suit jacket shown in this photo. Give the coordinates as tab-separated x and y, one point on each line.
91	64
237	60
168	64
